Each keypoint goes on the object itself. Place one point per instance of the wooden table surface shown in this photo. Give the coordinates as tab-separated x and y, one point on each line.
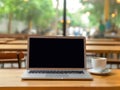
100	39
6	47
10	79
18	42
3	42
87	42
102	48
91	42
103	43
89	48
8	39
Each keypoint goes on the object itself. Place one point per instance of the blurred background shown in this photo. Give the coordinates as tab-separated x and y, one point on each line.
93	19
45	17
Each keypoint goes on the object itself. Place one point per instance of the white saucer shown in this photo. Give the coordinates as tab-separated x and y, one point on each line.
93	71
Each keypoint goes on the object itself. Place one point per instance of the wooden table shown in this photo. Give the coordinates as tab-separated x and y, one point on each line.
113	43
10	79
99	49
18	42
88	42
3	42
6	47
89	48
8	39
102	49
100	39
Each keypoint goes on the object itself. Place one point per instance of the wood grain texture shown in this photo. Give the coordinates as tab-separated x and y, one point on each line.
11	79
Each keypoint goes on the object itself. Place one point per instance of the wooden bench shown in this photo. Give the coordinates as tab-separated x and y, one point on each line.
113	61
11	57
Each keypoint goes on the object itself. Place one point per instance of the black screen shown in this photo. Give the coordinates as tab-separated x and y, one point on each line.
56	53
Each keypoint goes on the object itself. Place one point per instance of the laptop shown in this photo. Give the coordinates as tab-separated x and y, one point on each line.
56	58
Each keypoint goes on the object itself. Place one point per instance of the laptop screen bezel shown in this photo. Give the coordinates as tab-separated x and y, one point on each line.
56	37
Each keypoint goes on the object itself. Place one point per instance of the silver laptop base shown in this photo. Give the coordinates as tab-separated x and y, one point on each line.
82	76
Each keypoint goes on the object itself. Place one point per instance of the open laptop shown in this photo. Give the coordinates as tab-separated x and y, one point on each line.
56	58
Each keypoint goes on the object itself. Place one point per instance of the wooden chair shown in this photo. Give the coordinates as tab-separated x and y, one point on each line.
11	57
112	59
113	62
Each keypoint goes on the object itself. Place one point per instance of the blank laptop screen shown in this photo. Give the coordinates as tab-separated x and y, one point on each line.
56	53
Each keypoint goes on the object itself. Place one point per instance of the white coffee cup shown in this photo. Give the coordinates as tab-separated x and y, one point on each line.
98	63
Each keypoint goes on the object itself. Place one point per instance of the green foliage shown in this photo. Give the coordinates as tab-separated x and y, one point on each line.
45	16
40	12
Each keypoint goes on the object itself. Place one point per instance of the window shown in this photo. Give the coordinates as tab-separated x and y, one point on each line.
59	17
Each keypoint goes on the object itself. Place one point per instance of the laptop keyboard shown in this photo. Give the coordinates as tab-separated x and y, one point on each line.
50	74
57	72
